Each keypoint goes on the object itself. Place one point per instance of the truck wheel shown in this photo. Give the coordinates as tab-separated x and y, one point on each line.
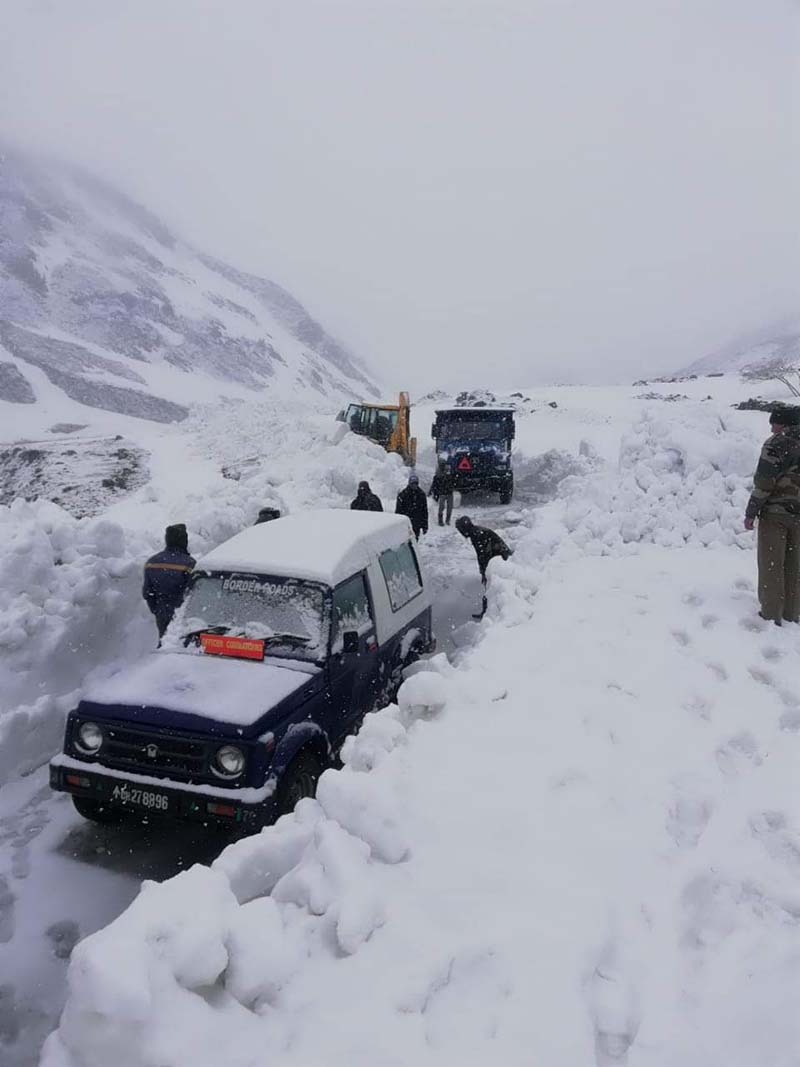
299	780
94	811
507	492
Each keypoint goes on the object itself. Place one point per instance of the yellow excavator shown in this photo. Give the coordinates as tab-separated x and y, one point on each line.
388	425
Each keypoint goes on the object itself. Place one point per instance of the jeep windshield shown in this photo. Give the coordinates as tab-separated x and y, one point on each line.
289	615
473	430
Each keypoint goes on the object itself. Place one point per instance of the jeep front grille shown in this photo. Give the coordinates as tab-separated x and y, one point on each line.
160	754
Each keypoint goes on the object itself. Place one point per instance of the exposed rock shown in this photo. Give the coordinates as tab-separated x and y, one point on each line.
67	427
14	386
84	477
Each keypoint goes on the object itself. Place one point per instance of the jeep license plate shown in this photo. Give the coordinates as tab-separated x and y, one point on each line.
147	799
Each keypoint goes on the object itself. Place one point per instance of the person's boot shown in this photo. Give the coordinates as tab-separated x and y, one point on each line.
484	606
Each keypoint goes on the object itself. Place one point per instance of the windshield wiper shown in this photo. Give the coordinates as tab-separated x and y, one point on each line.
289	639
193	636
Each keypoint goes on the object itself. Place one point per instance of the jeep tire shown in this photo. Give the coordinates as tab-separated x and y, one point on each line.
507	491
298	781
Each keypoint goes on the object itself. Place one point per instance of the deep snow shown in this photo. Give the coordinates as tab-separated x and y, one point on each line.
578	844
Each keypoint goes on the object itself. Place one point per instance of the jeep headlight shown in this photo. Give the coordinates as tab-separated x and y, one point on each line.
228	762
90	738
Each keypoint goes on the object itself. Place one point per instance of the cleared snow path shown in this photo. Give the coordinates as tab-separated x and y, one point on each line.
62	878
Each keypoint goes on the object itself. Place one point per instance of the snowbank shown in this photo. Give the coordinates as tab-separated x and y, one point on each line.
580	847
681	480
66	586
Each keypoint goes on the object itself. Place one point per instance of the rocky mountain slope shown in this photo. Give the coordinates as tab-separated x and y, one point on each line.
102	307
775	342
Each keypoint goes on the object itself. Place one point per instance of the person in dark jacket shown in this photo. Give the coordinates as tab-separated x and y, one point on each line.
365	499
413	503
775	505
166	576
442	491
487	545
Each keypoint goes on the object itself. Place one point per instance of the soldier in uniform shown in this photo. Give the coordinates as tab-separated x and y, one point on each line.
166	576
775	503
487	545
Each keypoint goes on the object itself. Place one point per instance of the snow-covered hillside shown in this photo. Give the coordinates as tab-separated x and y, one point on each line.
779	341
573	840
103	310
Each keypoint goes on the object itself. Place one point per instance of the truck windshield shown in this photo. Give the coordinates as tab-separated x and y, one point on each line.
472	430
290	615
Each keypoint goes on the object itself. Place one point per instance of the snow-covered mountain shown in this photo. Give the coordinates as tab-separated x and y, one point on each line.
777	341
103	307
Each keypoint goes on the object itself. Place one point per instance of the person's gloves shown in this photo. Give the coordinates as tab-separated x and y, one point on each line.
749	522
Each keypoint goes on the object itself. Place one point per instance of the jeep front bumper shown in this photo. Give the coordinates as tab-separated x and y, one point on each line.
147	796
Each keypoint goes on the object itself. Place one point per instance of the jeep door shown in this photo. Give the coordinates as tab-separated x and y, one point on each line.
353	674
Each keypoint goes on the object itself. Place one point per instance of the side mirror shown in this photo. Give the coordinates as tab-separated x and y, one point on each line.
350	645
340	417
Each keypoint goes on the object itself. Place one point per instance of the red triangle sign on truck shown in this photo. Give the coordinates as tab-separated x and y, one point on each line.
464	464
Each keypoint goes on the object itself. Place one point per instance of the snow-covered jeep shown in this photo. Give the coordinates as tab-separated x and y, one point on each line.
289	633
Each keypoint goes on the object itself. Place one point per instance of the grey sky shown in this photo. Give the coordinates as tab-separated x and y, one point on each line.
467	192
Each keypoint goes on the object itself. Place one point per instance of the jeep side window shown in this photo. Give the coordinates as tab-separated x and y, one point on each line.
401	571
351	610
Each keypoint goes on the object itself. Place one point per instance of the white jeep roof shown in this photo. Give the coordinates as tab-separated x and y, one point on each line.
318	546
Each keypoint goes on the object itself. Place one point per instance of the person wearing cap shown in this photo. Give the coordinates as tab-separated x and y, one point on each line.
413	503
775	503
166	576
487	545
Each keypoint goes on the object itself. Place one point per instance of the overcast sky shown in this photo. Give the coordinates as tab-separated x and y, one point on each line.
468	192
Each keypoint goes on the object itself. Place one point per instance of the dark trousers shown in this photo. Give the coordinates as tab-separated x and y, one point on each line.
163	616
779	567
445	503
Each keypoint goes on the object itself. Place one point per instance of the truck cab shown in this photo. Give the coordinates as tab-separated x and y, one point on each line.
290	632
475	443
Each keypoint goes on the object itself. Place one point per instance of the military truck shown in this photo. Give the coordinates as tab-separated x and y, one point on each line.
475	443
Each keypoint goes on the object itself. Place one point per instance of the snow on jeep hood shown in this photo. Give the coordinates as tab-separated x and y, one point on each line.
226	690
